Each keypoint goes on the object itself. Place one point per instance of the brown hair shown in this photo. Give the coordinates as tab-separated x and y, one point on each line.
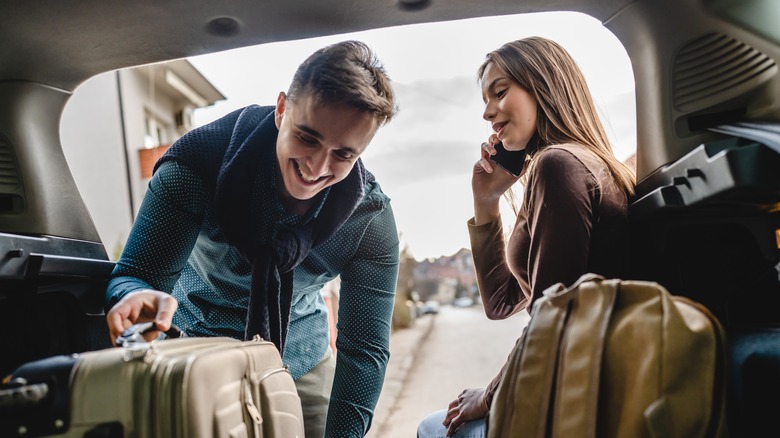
566	113
346	73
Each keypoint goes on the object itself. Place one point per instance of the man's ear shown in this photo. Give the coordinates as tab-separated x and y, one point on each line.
279	111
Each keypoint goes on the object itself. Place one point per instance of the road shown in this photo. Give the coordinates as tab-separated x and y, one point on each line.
463	350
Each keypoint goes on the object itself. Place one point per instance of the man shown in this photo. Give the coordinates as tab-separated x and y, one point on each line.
248	217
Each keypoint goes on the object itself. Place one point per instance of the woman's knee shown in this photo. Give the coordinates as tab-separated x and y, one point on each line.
432	427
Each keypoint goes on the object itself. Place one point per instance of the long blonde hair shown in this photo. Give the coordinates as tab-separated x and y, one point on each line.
566	113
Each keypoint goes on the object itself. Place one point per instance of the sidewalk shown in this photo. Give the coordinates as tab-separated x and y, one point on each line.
404	344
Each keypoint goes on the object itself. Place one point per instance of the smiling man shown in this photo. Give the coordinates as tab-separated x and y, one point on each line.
246	219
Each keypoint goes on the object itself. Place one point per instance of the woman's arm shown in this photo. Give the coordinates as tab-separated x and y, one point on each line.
501	293
550	242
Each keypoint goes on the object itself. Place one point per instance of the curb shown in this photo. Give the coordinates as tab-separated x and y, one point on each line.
404	345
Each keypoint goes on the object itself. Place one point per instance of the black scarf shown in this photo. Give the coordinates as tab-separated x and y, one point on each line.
230	154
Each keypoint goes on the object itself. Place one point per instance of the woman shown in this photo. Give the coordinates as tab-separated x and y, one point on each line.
573	217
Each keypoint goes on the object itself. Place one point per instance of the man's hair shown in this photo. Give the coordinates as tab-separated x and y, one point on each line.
346	73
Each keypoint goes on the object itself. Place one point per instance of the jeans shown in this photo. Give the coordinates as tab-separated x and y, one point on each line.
431	427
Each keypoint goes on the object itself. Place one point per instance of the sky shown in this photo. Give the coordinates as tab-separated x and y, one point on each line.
424	157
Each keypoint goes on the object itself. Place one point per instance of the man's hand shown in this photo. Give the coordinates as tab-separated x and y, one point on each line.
142	306
470	405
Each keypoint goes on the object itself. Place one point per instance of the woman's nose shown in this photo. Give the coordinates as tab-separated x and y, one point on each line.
489	112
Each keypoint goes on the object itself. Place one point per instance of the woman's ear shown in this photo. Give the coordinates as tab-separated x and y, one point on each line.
279	111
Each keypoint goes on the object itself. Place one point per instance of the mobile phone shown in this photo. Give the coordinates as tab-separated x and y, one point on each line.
511	161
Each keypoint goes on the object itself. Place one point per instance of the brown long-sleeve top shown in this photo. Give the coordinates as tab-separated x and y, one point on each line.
572	220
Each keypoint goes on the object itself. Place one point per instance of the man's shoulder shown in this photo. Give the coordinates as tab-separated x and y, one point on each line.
260	110
375	204
249	114
374	199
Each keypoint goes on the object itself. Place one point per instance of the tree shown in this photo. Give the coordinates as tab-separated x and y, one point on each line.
403	312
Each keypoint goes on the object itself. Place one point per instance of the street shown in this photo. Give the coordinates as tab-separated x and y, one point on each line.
463	350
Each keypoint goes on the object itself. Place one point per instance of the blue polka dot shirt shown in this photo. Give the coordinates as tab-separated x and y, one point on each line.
176	246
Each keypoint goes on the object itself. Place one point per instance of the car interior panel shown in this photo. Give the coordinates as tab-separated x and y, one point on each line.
705	218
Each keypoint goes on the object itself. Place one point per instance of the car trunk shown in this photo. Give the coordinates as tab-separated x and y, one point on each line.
51	298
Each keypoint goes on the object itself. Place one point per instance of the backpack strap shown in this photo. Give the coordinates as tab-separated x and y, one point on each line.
577	392
568	326
527	391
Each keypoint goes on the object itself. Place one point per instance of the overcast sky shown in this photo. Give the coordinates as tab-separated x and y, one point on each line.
423	158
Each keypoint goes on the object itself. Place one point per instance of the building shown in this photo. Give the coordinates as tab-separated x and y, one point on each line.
113	129
446	278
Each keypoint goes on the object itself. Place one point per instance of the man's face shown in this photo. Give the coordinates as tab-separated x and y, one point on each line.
318	144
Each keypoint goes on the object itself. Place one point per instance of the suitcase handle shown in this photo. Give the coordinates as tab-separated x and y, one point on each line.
134	333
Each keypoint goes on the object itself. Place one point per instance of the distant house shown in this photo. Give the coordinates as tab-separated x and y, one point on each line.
446	278
116	125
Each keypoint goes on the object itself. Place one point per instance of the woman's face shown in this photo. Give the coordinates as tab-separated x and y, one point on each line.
510	109
318	144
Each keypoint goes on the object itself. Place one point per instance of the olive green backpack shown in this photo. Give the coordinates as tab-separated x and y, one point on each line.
612	358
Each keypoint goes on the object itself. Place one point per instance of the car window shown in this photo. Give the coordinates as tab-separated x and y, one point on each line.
430	147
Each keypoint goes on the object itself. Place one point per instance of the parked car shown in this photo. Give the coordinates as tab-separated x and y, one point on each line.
431	307
463	302
706	221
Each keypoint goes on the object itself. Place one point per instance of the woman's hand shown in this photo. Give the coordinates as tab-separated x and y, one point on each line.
142	306
488	183
470	405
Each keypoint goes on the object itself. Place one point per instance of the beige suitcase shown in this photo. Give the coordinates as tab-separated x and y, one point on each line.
188	387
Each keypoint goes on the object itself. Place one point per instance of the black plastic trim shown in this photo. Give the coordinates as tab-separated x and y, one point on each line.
61	256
